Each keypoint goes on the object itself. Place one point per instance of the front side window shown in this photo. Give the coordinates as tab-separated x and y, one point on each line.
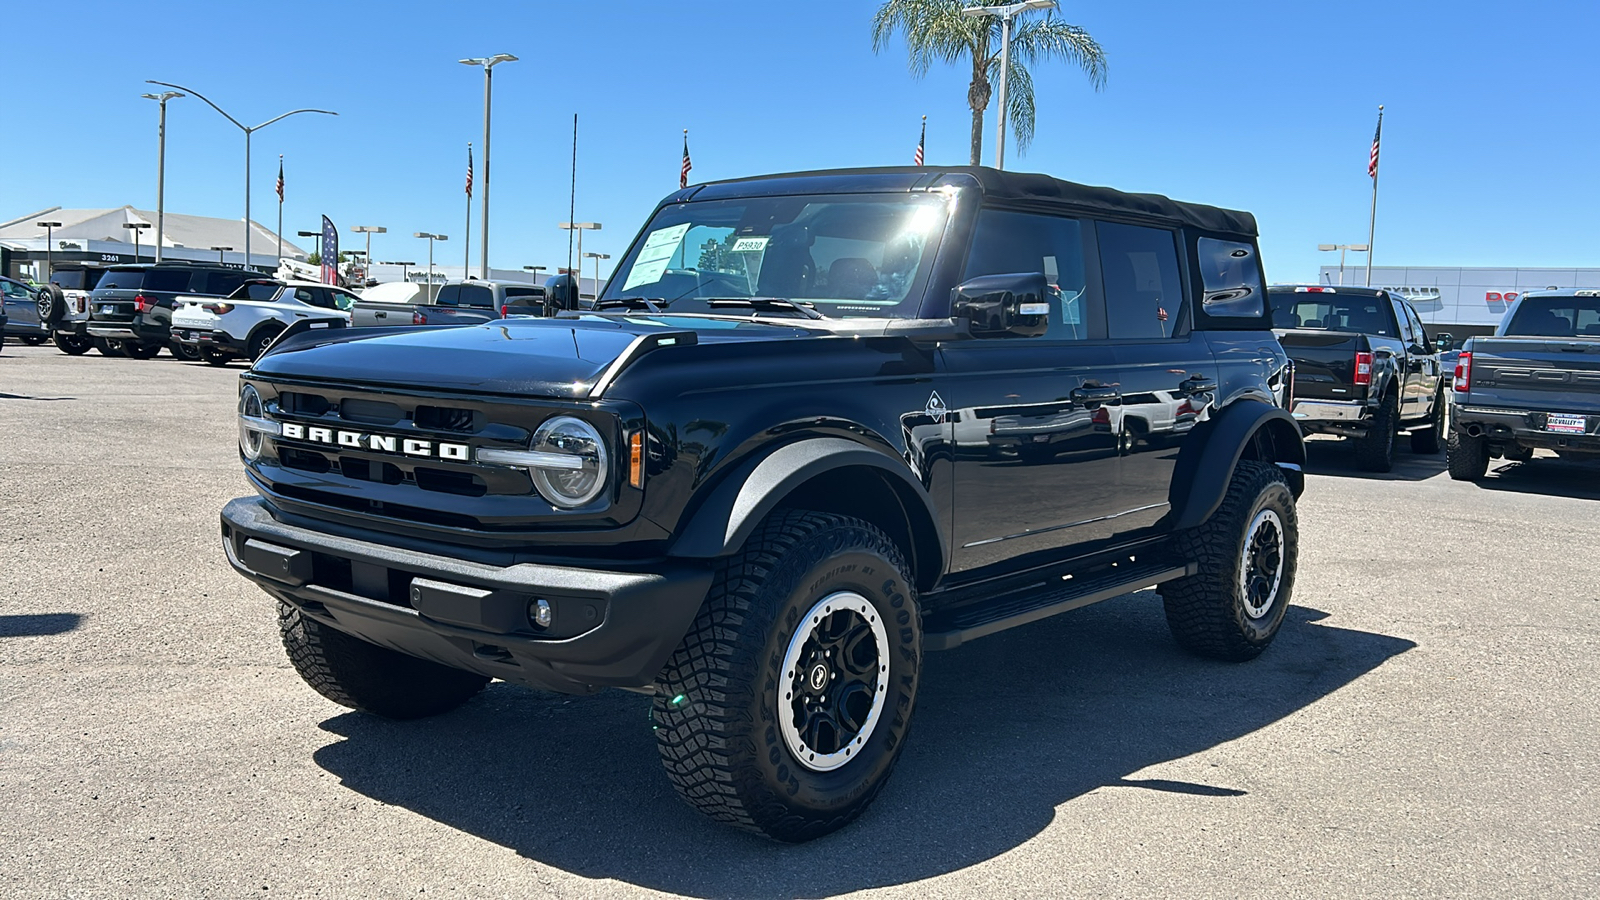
1005	243
12	289
1143	288
847	255
1231	276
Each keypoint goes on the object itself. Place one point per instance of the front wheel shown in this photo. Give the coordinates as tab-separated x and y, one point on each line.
34	340
1233	606
108	347
138	350
785	707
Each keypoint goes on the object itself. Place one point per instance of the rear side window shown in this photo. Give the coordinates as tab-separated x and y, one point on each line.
1556	317
122	280
223	283
1144	290
1231	276
1405	324
257	290
1012	242
172	281
70	280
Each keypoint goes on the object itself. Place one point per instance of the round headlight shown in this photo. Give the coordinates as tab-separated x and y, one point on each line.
584	477
250	407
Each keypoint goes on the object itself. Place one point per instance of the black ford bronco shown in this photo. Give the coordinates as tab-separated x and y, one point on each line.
816	425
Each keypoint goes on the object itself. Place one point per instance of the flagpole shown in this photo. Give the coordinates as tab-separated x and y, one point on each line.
466	243
1372	224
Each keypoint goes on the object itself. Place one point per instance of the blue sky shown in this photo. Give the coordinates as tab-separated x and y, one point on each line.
1493	114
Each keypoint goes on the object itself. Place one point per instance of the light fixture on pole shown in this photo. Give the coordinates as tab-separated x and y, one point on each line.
49	245
488	64
580	228
596	257
431	238
369	231
161	166
405	269
220	251
136	227
248	130
535	270
1356	248
1005	14
318	236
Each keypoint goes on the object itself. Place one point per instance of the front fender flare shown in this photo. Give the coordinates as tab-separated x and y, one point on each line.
1201	479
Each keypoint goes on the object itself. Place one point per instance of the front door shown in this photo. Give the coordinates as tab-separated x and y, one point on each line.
1032	418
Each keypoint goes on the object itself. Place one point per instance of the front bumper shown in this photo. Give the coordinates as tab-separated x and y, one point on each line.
608	628
1523	428
1346	417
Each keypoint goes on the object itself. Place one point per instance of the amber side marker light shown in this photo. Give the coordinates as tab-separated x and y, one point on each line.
636	459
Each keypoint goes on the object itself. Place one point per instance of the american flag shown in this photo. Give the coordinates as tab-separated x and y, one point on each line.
1377	138
469	170
280	177
683	173
330	252
916	158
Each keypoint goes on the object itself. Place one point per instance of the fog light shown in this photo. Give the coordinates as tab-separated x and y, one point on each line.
539	613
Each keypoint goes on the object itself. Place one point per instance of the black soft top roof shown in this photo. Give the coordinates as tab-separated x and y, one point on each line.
1022	187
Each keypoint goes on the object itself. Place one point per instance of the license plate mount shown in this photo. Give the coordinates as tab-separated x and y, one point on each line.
1566	423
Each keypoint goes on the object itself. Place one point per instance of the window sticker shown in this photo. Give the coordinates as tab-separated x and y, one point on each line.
654	255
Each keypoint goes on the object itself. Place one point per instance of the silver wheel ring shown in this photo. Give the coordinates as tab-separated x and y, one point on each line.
1263	519
805	756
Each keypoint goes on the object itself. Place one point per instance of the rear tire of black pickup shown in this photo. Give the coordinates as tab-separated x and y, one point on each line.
785	707
1375	452
369	678
1430	440
1467	457
1234	605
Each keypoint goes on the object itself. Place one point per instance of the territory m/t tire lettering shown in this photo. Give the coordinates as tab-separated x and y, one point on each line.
1233	606
785	707
363	676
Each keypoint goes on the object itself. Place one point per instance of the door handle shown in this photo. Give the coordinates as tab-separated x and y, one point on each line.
380	315
1199	384
1089	394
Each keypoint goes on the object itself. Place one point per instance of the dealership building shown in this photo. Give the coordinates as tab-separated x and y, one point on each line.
107	237
1463	301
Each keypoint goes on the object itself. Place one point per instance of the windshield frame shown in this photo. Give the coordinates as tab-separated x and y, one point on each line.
911	306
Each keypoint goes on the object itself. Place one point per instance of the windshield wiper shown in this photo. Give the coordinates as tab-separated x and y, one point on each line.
767	303
649	304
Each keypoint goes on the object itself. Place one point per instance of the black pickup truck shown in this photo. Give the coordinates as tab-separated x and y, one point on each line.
1364	368
736	484
1534	384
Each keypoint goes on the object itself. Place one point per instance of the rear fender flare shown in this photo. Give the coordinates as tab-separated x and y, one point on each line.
725	519
1245	429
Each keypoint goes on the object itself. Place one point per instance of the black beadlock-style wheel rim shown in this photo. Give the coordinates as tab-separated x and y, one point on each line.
1261	564
835	681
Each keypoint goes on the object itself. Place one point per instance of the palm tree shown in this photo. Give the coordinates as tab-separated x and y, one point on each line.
937	31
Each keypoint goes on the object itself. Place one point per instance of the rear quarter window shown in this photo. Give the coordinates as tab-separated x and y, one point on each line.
122	279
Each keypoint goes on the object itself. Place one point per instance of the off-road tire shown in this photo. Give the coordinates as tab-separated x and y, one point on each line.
718	699
71	344
1467	457
369	678
108	347
260	341
1431	440
34	340
52	304
1375	452
137	350
184	352
1207	611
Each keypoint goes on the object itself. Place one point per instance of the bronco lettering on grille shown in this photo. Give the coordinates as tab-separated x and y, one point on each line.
382	443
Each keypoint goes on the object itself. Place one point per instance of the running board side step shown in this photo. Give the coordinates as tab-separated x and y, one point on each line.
946	629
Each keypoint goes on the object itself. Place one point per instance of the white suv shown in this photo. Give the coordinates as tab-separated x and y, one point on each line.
245	322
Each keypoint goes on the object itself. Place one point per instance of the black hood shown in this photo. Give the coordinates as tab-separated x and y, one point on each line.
561	358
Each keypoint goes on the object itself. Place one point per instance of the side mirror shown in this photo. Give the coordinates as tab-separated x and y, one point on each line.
561	292
1445	341
999	305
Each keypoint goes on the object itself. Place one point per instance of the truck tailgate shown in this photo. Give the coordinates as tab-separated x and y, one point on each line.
1536	373
1324	362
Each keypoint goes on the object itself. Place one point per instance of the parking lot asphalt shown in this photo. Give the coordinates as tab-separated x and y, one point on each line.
1426	724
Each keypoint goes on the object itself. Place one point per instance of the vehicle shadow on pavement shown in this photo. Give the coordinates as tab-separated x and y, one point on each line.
39	624
1547	476
1007	729
1337	457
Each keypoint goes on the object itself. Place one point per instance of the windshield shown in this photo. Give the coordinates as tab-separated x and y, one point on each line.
1556	317
847	255
1363	314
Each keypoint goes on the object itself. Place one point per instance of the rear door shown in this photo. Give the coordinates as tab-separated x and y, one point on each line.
1035	469
1409	364
1424	362
112	301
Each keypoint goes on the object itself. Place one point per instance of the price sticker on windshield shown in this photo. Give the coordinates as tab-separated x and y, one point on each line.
750	245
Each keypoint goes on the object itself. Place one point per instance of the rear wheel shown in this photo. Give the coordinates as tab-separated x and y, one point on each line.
184	351
34	340
214	358
785	707
1233	606
260	341
71	344
1518	454
354	673
108	347
139	350
1375	452
1467	457
1431	439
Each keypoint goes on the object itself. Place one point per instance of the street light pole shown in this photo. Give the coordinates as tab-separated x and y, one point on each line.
248	130
161	167
431	238
580	228
488	64
137	227
1358	248
535	270
596	257
220	252
1005	14
49	246
369	231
